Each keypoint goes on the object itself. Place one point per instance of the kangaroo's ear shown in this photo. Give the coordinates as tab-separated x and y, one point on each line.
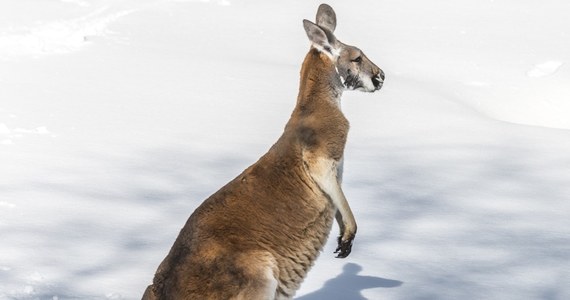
322	40
326	17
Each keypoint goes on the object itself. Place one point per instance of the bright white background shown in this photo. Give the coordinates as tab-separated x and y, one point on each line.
117	118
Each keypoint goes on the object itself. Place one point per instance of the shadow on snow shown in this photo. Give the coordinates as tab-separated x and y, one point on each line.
349	285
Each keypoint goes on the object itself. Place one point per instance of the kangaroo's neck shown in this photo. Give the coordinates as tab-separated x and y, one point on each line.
320	81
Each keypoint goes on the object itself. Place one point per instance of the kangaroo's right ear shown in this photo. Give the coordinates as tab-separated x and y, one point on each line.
321	40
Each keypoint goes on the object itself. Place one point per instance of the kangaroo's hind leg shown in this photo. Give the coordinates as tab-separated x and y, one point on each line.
261	270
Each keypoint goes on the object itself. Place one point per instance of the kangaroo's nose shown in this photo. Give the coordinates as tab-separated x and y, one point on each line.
378	80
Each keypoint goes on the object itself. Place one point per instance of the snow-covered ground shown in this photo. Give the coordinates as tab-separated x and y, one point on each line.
118	117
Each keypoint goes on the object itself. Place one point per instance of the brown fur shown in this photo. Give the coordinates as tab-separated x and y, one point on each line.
257	237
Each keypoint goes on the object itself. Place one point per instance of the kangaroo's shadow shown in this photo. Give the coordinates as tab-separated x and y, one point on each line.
348	285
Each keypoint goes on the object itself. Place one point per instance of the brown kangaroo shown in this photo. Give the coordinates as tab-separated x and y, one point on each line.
257	237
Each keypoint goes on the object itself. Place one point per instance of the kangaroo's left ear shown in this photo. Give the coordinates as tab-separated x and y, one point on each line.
326	17
321	39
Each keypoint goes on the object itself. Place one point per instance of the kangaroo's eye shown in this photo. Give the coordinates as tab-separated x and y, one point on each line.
357	60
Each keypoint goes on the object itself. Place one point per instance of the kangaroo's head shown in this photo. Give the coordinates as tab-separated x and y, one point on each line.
356	71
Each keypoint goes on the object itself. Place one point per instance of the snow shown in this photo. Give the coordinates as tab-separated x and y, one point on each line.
117	118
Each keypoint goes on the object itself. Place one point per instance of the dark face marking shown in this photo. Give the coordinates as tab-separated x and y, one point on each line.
352	81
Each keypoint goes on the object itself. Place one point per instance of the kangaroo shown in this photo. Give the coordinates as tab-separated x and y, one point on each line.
257	236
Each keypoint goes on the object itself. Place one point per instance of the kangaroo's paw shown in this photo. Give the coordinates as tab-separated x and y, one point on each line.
344	246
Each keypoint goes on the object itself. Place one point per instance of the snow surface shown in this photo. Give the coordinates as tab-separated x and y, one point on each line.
118	117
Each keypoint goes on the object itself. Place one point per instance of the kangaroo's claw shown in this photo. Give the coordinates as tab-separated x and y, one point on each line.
344	247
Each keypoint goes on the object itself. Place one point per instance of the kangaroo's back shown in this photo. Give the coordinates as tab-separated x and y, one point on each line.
257	237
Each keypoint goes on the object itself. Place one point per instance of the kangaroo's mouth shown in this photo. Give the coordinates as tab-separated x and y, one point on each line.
354	82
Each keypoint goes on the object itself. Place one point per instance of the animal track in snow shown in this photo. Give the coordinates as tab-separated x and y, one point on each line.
545	69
